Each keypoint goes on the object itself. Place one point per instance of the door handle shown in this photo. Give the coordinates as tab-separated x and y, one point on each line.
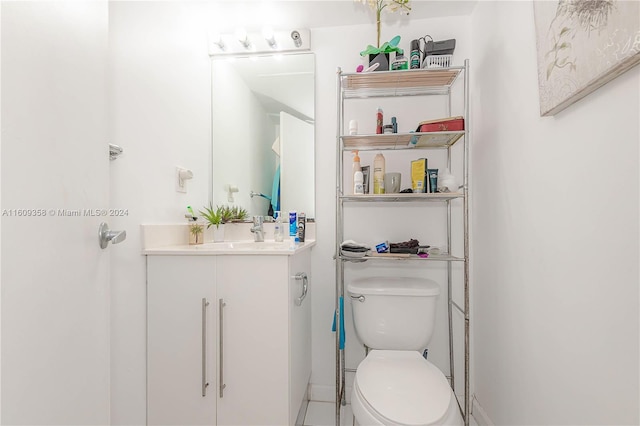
221	306
205	303
105	235
305	286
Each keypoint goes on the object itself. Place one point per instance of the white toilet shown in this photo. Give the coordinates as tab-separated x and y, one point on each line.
395	384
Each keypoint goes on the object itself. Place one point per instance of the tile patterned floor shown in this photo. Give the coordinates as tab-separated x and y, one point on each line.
323	414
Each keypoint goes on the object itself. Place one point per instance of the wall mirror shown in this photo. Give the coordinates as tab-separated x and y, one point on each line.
263	133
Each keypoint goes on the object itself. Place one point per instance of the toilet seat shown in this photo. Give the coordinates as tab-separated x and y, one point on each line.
402	388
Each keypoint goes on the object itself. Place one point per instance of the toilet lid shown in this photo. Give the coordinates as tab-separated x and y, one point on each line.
404	387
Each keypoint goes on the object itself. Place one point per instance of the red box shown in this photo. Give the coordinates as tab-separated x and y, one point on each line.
449	124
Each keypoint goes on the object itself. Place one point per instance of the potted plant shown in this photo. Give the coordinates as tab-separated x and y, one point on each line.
239	214
214	216
380	54
196	233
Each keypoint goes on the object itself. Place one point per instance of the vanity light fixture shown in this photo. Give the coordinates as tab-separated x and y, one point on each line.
270	37
243	38
268	41
297	39
219	42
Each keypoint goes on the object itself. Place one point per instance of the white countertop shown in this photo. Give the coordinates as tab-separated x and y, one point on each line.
232	248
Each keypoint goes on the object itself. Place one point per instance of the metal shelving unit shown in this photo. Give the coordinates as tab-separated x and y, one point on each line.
423	82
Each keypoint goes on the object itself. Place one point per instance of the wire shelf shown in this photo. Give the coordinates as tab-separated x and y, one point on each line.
446	196
401	140
399	83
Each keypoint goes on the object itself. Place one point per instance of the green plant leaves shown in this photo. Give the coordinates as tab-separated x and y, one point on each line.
387	47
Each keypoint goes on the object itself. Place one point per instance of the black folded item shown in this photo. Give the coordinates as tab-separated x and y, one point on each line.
411	243
353	248
443	47
410	250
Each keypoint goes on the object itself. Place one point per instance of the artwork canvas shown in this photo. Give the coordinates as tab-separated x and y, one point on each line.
583	44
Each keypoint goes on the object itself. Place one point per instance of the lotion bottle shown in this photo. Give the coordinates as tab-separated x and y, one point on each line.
358	183
356	166
378	174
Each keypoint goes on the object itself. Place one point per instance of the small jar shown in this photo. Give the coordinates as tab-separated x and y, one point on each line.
388	128
353	127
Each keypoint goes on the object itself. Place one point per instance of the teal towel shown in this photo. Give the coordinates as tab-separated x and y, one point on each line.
333	327
275	191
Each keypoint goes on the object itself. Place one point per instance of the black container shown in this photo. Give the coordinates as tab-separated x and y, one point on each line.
302	223
382	59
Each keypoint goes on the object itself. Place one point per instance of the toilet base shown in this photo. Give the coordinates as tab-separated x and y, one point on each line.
365	415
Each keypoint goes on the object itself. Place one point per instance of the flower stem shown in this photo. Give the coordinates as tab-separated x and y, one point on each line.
378	25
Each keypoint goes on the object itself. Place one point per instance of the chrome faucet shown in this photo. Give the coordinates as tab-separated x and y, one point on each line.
257	229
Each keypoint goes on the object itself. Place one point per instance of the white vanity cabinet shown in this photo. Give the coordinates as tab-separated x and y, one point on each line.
257	339
181	345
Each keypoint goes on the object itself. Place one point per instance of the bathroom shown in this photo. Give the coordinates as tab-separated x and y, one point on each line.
554	209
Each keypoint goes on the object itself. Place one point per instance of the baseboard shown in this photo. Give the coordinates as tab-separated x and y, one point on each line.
479	414
324	393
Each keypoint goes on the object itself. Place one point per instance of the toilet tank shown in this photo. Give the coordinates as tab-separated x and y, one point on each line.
395	313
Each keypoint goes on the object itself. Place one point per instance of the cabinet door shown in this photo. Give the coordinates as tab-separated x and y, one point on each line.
299	331
254	362
181	340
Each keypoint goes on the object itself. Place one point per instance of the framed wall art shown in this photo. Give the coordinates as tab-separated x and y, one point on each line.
581	45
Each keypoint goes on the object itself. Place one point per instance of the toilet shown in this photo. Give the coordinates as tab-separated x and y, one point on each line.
395	384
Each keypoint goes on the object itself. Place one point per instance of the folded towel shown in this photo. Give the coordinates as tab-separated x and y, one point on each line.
350	245
333	327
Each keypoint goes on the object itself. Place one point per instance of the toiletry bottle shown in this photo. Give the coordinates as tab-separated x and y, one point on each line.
394	124
353	127
302	223
358	183
356	165
415	54
400	62
278	233
379	121
378	174
293	224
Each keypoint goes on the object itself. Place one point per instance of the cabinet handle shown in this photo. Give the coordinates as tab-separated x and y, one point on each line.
205	303
221	306
305	286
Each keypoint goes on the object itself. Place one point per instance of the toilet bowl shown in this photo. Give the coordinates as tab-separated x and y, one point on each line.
402	388
395	384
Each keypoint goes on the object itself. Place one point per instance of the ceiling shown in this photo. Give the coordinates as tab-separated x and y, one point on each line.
322	13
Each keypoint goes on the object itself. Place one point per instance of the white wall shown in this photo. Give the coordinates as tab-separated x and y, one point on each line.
555	237
160	115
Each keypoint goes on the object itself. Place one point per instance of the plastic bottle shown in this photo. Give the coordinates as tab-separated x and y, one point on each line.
379	117
293	224
378	174
278	234
353	127
358	183
356	166
302	223
415	54
400	62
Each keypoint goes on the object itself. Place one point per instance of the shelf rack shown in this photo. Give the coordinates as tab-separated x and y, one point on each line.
422	82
